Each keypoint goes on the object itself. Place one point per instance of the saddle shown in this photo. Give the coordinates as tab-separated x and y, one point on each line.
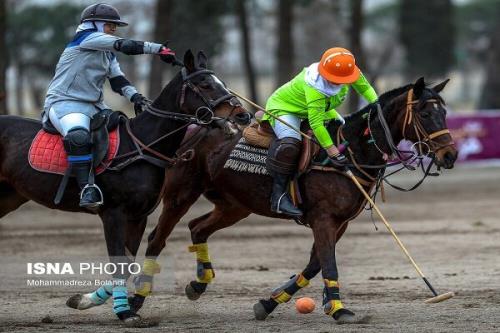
100	125
47	152
261	135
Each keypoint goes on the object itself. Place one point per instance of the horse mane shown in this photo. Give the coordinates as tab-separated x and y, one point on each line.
356	119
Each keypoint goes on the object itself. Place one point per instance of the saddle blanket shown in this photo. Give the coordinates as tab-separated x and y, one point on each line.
47	153
247	158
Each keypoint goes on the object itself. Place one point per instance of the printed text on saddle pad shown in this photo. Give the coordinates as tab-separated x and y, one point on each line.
47	153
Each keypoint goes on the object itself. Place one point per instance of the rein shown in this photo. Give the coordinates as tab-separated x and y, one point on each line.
204	115
410	119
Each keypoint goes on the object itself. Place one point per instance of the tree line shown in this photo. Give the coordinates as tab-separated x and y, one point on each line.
431	37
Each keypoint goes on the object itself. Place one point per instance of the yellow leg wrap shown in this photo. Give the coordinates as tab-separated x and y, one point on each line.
331	283
150	267
302	281
282	297
203	274
333	306
144	284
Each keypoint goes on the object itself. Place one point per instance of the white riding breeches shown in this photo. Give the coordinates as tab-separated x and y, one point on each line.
69	121
281	130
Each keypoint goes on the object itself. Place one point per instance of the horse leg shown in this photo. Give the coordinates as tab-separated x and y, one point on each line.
325	239
201	228
285	292
114	232
173	210
10	199
134	232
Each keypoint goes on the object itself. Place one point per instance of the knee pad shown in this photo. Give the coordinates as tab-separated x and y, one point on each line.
284	155
77	142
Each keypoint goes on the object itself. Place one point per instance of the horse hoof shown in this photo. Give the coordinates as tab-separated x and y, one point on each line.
191	293
136	302
74	300
260	311
344	316
80	302
131	319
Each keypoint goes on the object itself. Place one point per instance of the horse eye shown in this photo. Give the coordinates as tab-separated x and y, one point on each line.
425	114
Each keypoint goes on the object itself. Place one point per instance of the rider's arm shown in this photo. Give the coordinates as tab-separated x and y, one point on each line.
119	82
316	104
104	42
363	87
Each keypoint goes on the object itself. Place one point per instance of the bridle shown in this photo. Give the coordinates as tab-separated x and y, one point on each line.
423	138
204	115
411	119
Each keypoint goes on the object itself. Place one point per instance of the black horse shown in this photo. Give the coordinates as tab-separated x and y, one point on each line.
131	193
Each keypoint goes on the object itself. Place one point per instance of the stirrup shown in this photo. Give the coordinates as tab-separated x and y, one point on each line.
98	203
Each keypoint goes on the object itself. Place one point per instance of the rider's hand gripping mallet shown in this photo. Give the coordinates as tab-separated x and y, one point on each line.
437	298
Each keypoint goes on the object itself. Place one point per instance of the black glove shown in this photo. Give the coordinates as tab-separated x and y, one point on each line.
140	103
340	162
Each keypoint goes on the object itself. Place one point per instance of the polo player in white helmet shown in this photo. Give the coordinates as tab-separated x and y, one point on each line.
75	93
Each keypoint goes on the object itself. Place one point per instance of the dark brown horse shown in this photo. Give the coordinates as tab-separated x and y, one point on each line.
131	193
330	199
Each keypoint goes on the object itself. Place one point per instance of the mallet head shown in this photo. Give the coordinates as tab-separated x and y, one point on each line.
440	298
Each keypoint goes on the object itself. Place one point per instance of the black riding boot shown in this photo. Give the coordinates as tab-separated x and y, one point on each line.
280	199
90	196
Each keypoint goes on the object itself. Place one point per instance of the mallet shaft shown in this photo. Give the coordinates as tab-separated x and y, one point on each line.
388	226
258	107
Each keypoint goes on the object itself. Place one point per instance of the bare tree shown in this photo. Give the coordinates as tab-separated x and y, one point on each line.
355	30
246	48
161	31
285	53
490	98
3	57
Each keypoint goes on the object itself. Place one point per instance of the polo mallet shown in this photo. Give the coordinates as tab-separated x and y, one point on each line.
437	298
258	107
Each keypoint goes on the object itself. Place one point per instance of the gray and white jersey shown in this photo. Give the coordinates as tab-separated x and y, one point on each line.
82	70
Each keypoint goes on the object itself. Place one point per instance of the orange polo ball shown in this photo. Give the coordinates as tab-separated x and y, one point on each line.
305	305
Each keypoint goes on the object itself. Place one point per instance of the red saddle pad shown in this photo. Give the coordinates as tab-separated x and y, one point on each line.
47	153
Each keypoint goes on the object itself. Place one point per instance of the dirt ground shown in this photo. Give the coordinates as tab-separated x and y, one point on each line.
451	226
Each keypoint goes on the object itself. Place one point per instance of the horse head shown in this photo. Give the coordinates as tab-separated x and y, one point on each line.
204	92
422	120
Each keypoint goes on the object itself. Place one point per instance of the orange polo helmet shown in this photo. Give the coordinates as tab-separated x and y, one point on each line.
338	65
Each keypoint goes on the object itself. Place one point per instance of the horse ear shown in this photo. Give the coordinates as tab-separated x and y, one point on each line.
439	87
189	61
202	59
419	87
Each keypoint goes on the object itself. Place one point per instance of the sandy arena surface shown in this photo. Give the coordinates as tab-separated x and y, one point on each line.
450	225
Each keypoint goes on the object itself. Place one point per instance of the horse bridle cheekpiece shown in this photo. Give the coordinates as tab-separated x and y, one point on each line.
423	138
205	114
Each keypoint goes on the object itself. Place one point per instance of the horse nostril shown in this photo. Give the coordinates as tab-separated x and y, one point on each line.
243	118
449	156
